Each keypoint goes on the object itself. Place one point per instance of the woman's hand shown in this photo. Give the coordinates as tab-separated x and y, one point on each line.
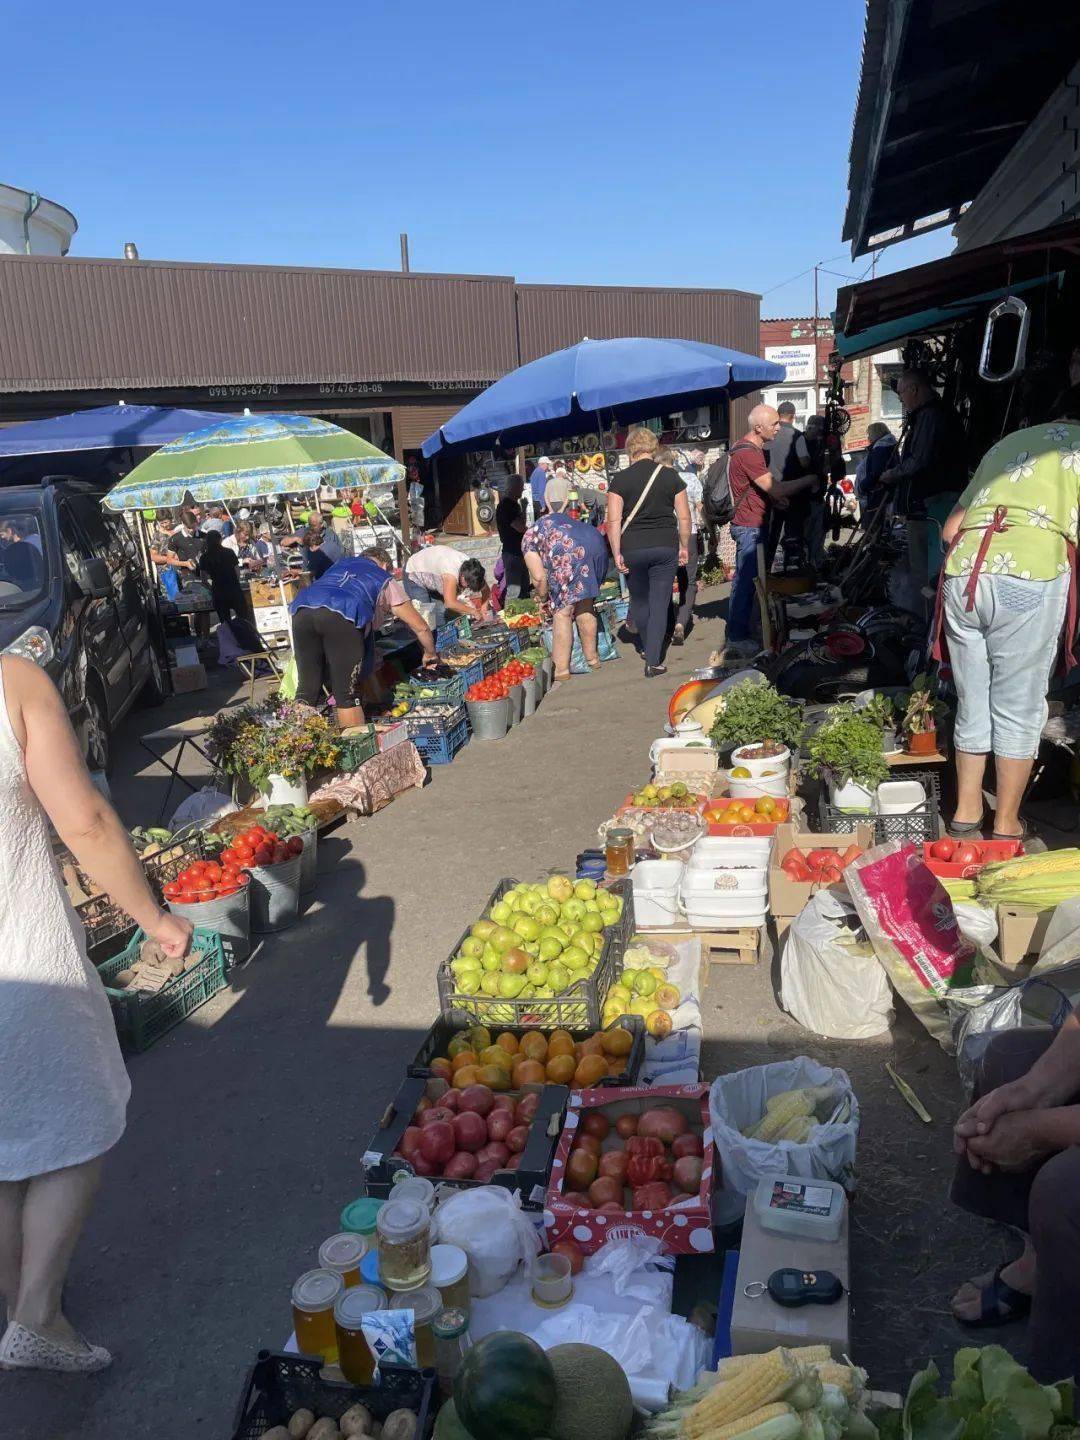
620	564
173	934
684	555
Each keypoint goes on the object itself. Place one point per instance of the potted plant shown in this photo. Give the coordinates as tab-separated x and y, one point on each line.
881	709
846	753
761	727
921	715
275	746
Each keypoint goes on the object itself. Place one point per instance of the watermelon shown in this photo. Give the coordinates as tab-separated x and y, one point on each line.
592	1392
448	1426
506	1387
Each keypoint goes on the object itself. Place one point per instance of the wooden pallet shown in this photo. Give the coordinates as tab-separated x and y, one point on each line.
730	947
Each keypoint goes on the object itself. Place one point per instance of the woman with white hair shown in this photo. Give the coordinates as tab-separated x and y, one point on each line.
567	561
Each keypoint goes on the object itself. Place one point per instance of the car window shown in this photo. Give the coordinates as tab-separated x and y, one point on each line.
74	546
106	536
22	559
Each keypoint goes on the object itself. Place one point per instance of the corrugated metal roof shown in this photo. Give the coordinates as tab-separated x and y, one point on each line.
86	324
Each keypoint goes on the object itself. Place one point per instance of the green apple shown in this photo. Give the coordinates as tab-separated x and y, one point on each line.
585	889
482	929
545	913
537	973
560	887
526	927
593	922
550	948
573	910
502	913
511	986
644	982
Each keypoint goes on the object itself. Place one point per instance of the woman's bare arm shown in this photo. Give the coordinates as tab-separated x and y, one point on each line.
682	515
614	528
408	614
537	574
953	524
84	819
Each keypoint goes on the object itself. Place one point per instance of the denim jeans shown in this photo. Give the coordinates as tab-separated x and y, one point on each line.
1002	652
740	607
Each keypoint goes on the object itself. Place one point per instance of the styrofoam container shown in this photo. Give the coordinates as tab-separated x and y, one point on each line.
781	762
775	785
719	850
656	891
900	797
679	742
722	882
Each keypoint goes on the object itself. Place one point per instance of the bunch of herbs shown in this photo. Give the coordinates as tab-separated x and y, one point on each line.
755	712
848	747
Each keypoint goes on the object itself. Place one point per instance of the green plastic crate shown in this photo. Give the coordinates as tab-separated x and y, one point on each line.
143	1019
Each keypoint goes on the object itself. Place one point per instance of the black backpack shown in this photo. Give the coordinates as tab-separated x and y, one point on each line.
716	499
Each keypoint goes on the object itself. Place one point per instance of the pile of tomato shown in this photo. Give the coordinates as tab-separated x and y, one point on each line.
497	686
822	867
213	879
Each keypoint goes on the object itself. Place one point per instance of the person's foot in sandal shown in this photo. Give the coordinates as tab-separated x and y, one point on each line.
999	1297
964	829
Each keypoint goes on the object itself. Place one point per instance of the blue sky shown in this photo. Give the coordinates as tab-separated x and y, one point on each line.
605	142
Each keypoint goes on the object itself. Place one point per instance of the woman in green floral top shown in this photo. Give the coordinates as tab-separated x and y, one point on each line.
1008	577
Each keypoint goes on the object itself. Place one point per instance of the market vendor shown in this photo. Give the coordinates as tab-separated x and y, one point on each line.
185	542
1019	1149
335	620
568	562
448	579
1007	596
317	536
253	552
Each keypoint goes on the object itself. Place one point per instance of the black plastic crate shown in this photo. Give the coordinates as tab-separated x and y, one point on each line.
279	1385
911	828
443	1031
529	1179
580	1007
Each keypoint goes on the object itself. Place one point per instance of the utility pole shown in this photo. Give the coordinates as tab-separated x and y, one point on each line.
404	253
817	364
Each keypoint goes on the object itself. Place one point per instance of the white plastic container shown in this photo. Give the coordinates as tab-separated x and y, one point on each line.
713	851
656	892
679	742
722	882
900	797
774	785
853	797
781	762
790	1205
724	912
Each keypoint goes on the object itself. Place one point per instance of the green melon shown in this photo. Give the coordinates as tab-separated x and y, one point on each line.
506	1387
592	1394
448	1426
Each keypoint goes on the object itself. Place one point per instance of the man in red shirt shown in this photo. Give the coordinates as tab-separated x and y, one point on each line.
753	493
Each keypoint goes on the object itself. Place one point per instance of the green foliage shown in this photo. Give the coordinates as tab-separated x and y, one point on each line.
274	737
848	747
992	1398
758	712
921	711
881	709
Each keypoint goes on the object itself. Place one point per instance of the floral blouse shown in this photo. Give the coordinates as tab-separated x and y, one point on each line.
574	555
1035	475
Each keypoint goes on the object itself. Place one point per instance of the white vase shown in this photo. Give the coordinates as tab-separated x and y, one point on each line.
279	791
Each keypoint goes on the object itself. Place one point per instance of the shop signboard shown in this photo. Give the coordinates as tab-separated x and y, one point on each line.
798	360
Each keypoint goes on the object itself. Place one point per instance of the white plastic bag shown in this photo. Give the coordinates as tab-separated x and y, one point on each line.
977	923
831	981
205	804
980	1012
737	1102
489	1226
636	1268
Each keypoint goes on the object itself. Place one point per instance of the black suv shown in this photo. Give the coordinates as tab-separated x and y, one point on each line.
75	599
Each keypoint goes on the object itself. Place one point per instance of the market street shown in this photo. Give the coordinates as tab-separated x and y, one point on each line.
247	1123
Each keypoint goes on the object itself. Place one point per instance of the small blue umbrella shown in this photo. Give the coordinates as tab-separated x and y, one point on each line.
630	379
106	427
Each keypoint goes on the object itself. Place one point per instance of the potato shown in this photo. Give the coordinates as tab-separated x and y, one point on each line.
324	1429
300	1423
122	979
401	1425
277	1433
357	1420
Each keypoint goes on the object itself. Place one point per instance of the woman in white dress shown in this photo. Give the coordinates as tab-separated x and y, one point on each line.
63	1085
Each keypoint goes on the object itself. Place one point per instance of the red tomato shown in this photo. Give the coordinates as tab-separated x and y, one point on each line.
223	889
228	856
967	853
295	846
186	897
172	891
943	849
245	878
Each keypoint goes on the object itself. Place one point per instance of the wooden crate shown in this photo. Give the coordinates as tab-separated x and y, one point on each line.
730	947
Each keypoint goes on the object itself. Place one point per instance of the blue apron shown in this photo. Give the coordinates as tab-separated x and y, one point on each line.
351	588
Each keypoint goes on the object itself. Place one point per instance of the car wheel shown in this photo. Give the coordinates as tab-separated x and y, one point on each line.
96	730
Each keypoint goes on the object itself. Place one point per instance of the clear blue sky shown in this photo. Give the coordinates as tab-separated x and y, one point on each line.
603	141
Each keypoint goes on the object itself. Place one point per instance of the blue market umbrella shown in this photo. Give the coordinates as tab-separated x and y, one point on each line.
106	427
629	379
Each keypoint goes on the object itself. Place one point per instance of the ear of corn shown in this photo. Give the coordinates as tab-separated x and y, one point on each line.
798	1129
752	1423
804	1356
1039	880
758	1384
787	1107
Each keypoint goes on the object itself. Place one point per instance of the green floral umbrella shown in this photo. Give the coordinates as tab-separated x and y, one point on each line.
250	455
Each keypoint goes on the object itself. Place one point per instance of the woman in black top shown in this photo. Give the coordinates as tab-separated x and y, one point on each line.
648	525
222	569
510	523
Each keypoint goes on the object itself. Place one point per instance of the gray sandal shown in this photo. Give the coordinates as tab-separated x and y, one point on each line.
964	829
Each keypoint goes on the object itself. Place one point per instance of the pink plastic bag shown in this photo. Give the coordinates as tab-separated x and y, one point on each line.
909	920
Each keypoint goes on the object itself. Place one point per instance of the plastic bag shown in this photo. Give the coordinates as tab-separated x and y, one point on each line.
831	980
205	804
488	1224
289	679
980	1012
977	923
632	1266
1061	943
737	1101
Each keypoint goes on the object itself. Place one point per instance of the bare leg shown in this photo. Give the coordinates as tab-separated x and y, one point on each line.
970	769
54	1211
585	616
349	715
562	640
12	1194
1019	1274
1012	778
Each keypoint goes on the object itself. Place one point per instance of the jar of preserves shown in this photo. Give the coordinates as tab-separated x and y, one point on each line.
403	1237
450	1276
354	1354
415	1187
313	1298
619	852
451	1332
344	1253
359	1216
426	1304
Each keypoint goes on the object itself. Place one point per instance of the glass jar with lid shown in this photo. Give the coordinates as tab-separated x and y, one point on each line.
450	1276
344	1253
403	1237
359	1216
313	1298
619	851
415	1187
354	1354
426	1305
451	1333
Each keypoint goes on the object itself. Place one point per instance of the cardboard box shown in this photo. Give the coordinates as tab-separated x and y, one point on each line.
270	619
188	678
786	896
689	760
683	1229
1021	929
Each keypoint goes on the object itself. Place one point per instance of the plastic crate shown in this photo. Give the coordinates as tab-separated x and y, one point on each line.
578	1008
495	657
357	749
472	674
108	927
143	1019
279	1385
434	725
443	1031
913	828
447	635
444	692
441	748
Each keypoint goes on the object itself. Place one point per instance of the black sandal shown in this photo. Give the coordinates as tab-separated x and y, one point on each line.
999	1304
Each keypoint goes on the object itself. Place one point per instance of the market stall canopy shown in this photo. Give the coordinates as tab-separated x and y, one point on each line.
250	455
628	379
106	427
946	90
878	314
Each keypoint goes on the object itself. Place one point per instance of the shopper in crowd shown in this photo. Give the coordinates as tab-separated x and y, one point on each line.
648	525
221	570
317	535
510	523
335	621
217	520
789	459
879	455
567	561
185	542
688	468
449	580
254	553
65	1087
930	460
1004	603
755	493
1019	1165
537	482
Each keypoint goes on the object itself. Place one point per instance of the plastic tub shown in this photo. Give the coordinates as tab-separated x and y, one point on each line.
679	742
707	911
656	891
900	797
713	851
781	762
774	785
696	883
856	798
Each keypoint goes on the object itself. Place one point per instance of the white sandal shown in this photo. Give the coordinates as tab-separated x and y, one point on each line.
24	1349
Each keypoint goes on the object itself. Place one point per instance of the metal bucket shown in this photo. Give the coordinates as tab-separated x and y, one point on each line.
531	687
488	719
517	703
230	916
549	673
309	861
275	896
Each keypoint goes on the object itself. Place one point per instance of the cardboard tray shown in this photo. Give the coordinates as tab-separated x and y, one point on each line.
993	851
786	896
443	1031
